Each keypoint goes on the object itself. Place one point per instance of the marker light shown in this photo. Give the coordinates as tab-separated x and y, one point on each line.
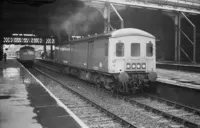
133	65
143	65
138	65
128	66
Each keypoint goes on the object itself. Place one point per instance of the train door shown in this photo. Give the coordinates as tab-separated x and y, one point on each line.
90	54
120	56
116	55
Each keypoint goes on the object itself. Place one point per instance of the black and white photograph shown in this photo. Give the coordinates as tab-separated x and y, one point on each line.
99	63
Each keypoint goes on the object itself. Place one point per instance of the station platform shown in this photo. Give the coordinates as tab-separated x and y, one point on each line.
184	66
179	77
27	103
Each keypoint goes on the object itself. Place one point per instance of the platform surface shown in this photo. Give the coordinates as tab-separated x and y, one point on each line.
183	74
183	66
24	103
179	63
179	78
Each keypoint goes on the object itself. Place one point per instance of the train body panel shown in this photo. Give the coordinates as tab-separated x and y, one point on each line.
87	55
97	58
73	54
79	52
27	56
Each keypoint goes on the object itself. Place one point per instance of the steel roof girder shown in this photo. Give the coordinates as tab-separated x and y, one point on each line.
100	3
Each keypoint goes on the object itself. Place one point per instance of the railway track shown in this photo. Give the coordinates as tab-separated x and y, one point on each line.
151	115
91	113
184	115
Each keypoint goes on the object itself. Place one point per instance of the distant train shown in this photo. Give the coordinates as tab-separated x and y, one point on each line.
122	61
26	55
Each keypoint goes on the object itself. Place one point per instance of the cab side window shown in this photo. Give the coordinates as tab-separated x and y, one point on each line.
119	49
135	49
149	49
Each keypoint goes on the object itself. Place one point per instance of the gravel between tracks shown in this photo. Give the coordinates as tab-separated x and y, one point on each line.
133	114
171	110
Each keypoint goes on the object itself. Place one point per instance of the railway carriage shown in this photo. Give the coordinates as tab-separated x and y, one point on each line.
26	55
122	61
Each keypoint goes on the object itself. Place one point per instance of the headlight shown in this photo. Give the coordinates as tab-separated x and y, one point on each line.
128	66
143	65
138	65
133	65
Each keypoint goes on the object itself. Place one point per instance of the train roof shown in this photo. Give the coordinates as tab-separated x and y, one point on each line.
130	32
115	34
26	47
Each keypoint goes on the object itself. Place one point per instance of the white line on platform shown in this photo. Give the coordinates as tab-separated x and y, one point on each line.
81	123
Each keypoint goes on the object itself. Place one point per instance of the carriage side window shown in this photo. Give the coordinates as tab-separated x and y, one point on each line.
149	49
106	48
135	49
119	49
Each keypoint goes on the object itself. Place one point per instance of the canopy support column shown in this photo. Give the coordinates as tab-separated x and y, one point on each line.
193	40
121	20
45	49
177	21
51	48
106	15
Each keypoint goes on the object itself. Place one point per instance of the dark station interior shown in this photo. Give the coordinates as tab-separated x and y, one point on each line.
48	18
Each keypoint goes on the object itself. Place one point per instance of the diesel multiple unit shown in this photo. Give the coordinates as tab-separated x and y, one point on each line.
123	60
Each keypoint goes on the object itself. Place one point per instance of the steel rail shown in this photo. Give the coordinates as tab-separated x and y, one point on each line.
162	113
174	104
110	114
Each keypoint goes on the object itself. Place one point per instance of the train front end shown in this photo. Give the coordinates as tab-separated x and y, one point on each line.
132	59
27	56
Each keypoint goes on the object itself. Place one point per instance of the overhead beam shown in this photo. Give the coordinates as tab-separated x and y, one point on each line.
23	40
149	4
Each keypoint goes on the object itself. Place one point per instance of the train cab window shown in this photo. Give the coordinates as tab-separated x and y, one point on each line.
119	49
135	49
149	49
30	52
